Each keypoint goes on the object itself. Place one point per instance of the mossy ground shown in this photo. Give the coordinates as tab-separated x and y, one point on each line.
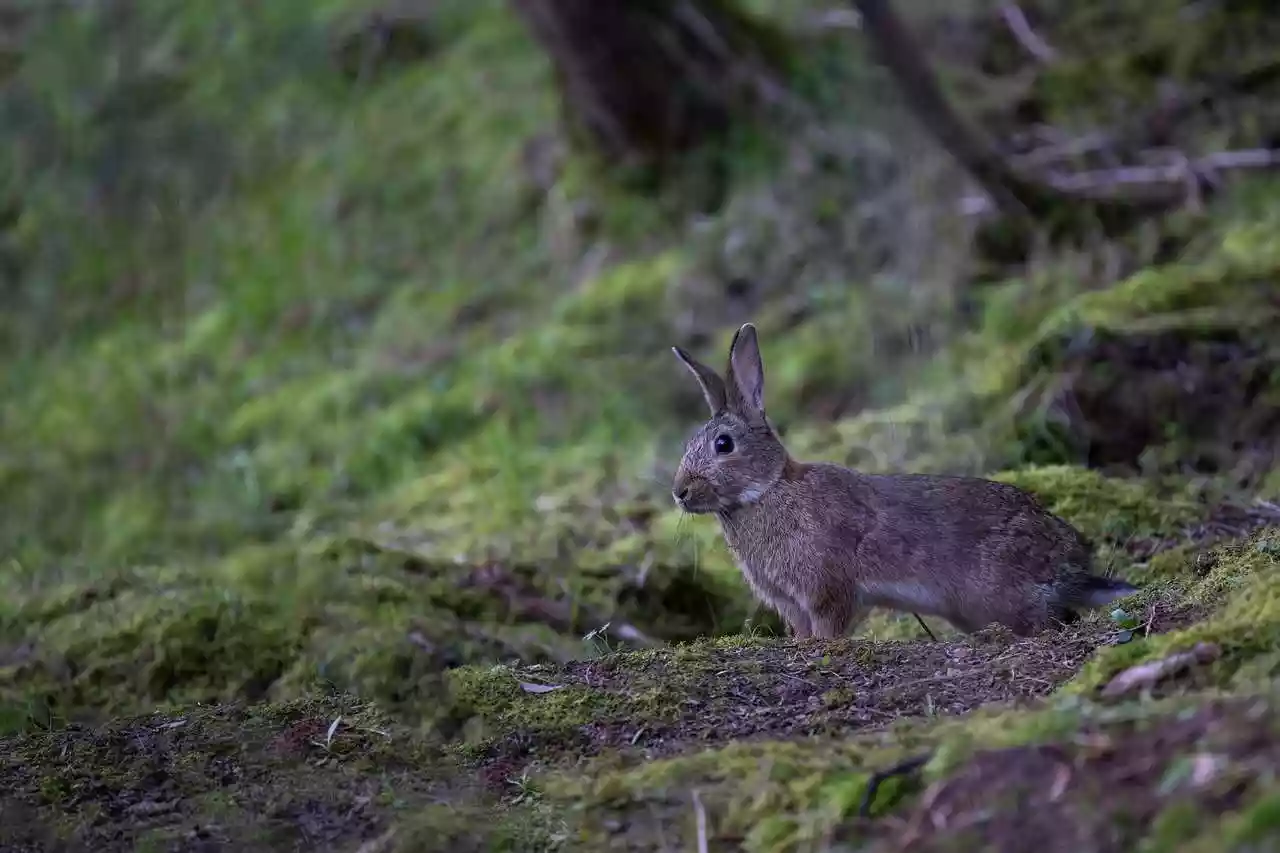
316	388
773	742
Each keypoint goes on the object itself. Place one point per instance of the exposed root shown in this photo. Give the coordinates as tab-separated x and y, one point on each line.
902	768
1147	675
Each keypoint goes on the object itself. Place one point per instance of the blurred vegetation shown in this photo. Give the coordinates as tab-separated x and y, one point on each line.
332	368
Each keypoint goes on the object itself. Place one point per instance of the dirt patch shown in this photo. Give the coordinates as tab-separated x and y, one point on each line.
714	693
214	779
1101	791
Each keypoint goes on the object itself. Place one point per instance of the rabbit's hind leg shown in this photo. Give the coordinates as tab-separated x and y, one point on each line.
836	612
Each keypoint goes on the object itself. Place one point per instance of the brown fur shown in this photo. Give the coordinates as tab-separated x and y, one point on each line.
822	544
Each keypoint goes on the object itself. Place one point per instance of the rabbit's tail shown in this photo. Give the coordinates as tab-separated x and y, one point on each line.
1096	591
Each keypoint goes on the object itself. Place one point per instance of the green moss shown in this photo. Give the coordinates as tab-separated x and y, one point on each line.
1243	591
309	383
1222	283
1137	46
989	401
774	796
496	697
503	830
793	795
1104	508
1258	823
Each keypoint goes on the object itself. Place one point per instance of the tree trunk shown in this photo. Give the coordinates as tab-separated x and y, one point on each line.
645	80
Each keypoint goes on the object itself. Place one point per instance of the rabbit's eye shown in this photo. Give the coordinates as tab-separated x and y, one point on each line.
723	444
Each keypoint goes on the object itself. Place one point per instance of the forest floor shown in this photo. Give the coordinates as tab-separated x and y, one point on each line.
338	419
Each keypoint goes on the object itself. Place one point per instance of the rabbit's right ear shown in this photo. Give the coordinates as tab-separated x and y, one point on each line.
710	381
746	372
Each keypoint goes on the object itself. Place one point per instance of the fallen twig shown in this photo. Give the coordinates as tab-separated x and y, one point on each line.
1016	20
1151	618
1178	172
925	627
420	640
831	19
1052	153
1163	183
700	815
1270	507
1147	675
902	768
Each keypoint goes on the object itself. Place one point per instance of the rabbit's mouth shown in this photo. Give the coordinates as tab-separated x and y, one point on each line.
701	508
698	505
694	495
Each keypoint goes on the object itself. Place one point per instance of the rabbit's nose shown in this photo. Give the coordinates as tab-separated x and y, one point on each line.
680	493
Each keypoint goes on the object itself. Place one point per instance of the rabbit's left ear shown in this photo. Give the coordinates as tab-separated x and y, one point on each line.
746	373
712	385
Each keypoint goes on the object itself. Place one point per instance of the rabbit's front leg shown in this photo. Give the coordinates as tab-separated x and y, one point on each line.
795	617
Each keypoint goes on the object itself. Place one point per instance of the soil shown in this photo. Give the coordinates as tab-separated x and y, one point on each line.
231	778
812	688
1101	791
211	779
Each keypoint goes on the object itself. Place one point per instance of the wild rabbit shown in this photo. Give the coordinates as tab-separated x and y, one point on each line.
822	544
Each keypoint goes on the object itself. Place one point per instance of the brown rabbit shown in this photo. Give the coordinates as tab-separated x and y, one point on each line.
823	544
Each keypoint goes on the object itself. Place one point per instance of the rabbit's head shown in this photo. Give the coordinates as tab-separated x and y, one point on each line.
735	457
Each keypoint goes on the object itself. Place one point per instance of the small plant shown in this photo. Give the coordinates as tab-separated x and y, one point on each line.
527	790
753	630
1126	623
327	744
597	641
1269	546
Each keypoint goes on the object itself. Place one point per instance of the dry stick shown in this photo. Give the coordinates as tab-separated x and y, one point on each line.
925	627
1174	173
700	814
1144	676
1113	182
1016	20
902	768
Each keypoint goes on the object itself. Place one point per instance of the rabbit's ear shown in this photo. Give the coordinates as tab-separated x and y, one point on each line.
746	372
710	381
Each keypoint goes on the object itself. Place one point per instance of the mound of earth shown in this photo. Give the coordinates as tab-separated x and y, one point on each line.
733	743
1102	789
657	704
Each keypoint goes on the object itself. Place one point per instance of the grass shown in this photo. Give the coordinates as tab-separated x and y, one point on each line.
317	407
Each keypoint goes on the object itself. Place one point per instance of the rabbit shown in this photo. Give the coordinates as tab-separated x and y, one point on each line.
822	544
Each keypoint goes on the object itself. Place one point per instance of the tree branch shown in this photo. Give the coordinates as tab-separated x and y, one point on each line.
897	49
1061	203
1157	182
1016	20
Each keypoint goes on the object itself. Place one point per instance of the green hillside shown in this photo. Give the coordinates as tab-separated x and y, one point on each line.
338	406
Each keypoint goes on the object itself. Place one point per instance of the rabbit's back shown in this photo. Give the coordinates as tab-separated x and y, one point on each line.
970	550
967	518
